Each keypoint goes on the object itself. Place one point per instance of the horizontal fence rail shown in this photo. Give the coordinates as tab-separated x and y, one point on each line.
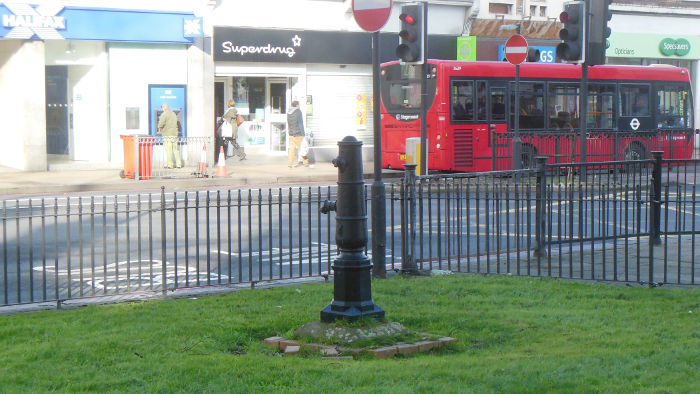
625	221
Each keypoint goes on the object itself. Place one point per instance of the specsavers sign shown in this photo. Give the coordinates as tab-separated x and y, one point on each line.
653	46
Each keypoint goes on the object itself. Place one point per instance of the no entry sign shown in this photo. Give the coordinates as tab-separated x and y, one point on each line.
516	49
371	15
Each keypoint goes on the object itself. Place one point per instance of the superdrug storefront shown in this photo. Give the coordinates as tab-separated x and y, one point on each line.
329	73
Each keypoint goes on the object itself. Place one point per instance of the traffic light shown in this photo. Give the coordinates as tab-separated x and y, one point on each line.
411	47
533	55
598	30
573	46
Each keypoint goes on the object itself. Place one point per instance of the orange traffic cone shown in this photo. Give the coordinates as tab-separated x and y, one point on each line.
221	164
202	166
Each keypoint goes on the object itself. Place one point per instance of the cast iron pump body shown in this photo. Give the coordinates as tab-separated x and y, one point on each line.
352	282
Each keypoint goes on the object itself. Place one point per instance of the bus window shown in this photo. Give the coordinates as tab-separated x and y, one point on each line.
404	94
462	100
481	101
563	109
601	113
498	104
634	100
531	105
674	107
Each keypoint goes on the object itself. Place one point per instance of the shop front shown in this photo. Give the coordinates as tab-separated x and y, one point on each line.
73	79
328	73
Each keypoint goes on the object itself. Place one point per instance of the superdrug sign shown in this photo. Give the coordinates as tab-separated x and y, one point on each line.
234	44
290	46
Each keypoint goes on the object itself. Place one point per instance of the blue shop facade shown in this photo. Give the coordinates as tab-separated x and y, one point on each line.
74	79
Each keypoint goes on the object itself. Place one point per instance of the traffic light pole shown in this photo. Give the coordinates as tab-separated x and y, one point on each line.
584	95
517	142
378	189
424	97
584	118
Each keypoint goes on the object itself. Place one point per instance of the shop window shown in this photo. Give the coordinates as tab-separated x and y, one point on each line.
278	98
462	100
634	100
499	8
563	109
256	98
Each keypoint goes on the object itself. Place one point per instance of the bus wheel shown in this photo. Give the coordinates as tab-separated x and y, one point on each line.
527	156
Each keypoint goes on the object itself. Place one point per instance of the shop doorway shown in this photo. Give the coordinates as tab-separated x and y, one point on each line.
276	104
57	110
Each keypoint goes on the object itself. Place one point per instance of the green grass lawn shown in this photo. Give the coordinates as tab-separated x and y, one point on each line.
514	334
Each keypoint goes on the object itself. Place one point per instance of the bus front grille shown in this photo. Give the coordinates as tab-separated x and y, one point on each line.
464	148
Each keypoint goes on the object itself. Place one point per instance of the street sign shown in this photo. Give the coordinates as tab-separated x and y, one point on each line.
371	15
516	49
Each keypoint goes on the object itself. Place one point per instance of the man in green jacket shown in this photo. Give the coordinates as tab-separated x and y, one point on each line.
167	127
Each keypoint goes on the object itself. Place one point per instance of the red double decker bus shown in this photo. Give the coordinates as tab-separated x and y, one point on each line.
632	110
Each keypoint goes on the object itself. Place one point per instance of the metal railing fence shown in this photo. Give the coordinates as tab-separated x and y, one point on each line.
631	221
86	246
625	221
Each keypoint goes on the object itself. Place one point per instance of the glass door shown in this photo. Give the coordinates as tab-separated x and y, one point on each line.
276	108
57	114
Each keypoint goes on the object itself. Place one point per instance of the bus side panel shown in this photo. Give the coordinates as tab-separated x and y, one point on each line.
394	144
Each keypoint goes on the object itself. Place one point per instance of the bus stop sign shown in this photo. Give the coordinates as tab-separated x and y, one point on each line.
516	49
371	15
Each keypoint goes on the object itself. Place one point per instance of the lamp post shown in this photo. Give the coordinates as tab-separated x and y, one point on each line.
516	157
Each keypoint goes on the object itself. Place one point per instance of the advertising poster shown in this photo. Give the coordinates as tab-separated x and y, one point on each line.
361	115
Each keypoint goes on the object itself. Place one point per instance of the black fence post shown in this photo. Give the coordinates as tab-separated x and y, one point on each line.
655	217
163	241
540	209
409	266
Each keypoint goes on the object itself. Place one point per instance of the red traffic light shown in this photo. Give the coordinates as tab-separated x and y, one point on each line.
564	17
407	18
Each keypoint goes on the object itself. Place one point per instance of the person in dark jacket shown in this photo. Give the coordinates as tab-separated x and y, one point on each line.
295	127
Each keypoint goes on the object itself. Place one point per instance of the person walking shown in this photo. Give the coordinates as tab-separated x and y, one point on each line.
167	127
295	127
230	117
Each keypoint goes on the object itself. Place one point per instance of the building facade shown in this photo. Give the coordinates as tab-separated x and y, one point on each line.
76	75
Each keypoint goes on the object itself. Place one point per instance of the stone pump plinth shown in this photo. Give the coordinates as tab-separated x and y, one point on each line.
352	282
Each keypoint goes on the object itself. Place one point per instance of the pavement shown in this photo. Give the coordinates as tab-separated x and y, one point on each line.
74	177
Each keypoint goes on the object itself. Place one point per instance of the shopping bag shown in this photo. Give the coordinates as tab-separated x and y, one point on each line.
226	130
304	148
